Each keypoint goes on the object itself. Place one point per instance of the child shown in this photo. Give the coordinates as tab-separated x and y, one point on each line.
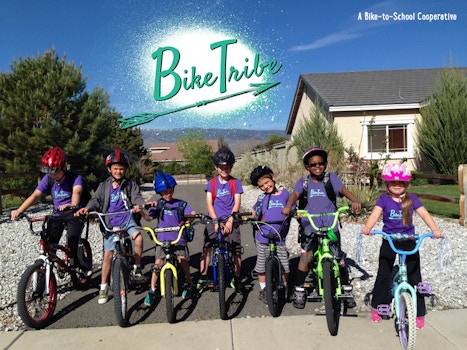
318	201
66	189
113	195
169	212
397	207
268	208
223	197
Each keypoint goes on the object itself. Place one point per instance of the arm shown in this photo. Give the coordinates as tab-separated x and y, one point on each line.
428	219
372	219
292	200
75	197
33	198
356	204
237	203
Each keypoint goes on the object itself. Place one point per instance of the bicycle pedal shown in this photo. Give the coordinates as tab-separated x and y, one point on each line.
347	288
424	288
384	310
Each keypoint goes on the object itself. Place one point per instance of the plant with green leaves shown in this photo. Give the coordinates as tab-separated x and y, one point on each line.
197	153
442	131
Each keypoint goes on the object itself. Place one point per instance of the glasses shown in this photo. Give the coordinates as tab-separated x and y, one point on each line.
313	165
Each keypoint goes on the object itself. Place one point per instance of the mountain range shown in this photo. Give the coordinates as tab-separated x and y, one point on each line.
239	140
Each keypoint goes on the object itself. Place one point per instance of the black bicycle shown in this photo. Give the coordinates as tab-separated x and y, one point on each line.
37	292
275	289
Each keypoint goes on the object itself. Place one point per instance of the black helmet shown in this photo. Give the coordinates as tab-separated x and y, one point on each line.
313	151
258	172
224	156
117	157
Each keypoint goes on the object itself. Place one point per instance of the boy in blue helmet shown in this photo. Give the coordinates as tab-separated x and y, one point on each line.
319	190
168	211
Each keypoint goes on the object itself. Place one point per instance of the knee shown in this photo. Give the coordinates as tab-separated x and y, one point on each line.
138	238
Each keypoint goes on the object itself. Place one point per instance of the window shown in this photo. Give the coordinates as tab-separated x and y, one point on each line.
383	137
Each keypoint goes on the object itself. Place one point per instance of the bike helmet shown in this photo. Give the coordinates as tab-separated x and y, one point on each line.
313	151
163	182
224	156
53	160
396	172
117	157
259	172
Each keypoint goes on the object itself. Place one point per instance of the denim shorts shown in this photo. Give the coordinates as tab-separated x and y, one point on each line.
109	243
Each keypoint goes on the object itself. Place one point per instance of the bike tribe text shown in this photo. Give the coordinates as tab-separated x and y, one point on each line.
192	80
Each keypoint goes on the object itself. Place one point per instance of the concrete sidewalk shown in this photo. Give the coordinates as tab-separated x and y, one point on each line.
444	330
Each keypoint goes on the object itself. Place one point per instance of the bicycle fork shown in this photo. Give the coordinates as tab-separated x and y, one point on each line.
168	266
226	267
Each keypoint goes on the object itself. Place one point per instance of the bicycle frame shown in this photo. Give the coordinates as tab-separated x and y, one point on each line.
400	281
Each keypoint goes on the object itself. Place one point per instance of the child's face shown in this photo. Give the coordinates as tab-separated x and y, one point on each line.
266	184
167	194
316	165
224	170
117	171
397	187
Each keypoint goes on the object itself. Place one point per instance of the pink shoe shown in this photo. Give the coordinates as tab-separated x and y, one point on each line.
420	322
375	317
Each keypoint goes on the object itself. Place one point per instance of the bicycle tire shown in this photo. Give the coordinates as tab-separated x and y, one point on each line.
36	309
86	258
222	285
169	295
273	285
120	290
331	303
406	326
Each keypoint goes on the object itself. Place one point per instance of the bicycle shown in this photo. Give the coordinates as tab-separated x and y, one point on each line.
168	277
221	258
404	302
325	268
37	292
122	279
275	290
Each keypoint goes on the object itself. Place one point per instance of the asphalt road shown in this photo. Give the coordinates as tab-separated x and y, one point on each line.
80	308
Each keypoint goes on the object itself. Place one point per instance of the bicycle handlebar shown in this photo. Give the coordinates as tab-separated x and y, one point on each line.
205	219
152	232
301	212
391	237
102	216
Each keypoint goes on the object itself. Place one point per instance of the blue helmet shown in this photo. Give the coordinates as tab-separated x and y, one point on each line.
163	182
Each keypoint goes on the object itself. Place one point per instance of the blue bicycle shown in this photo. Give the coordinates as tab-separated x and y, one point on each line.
404	302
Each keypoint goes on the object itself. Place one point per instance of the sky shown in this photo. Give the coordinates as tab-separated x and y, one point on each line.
130	49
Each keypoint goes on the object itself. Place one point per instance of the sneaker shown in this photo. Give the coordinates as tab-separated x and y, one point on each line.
103	296
149	299
137	275
299	298
262	296
420	322
187	291
236	284
202	285
375	317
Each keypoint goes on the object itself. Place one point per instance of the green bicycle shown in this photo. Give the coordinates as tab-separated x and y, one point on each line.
325	268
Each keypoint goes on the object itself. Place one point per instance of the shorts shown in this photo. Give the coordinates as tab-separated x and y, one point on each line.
179	250
263	253
109	243
234	239
309	243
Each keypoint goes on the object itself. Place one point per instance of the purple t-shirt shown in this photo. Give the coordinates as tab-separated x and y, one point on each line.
61	193
117	204
392	214
224	202
272	211
169	218
318	201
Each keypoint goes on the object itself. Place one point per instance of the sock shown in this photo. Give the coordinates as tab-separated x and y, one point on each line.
104	286
301	275
262	285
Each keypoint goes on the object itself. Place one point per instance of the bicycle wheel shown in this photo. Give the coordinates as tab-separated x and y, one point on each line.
331	303
85	259
120	290
35	306
222	285
406	327
169	295
273	285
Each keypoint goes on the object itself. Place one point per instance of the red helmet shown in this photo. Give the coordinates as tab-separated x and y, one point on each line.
117	157
53	161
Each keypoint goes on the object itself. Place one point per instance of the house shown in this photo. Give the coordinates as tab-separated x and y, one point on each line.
369	108
168	152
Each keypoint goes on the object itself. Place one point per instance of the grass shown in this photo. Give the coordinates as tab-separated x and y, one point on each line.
436	208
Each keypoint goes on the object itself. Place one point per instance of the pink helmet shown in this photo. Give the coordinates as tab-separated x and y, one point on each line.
396	172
